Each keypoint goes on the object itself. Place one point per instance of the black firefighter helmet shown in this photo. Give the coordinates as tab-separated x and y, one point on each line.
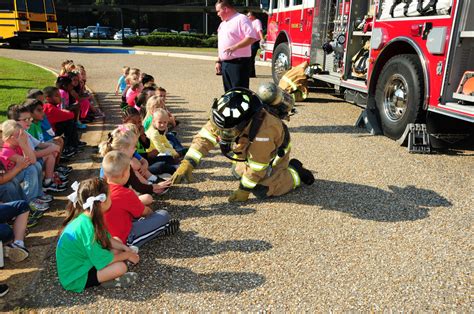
233	112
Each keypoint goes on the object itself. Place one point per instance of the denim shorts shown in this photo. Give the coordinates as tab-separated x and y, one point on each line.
10	210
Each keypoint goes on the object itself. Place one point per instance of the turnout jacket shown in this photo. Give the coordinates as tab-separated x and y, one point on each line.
260	155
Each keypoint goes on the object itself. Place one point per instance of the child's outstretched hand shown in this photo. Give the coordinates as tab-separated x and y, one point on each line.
161	187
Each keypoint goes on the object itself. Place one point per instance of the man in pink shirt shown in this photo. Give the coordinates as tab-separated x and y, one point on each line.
257	26
235	35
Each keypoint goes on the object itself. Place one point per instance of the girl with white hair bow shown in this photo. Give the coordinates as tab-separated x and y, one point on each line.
86	255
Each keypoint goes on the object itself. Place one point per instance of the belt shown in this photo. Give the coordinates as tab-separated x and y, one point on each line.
237	60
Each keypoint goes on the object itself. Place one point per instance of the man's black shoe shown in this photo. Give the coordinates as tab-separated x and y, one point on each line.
305	175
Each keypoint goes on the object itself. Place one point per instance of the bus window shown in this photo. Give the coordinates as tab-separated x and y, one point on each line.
6	5
287	3
35	6
275	4
49	6
298	2
20	5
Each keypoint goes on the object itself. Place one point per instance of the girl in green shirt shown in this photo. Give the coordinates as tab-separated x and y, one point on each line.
86	255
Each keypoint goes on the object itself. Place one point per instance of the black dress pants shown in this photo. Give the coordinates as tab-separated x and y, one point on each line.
235	73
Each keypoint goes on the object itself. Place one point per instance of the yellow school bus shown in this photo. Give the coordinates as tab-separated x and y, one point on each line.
24	20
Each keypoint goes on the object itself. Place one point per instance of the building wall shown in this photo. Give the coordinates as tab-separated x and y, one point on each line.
170	14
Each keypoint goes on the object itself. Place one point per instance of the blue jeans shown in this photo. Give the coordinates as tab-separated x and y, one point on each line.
11	191
8	211
174	142
32	179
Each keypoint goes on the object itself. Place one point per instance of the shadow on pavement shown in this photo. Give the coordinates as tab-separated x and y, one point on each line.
366	202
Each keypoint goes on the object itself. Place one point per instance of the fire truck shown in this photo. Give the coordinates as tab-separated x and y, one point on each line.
405	61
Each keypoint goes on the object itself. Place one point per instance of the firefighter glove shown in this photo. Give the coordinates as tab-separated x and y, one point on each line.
184	171
239	196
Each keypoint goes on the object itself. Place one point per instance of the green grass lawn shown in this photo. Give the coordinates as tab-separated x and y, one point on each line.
16	78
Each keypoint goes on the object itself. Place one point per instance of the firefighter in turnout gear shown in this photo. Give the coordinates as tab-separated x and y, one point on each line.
255	138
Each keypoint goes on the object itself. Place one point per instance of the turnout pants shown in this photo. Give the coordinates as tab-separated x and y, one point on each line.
280	179
146	229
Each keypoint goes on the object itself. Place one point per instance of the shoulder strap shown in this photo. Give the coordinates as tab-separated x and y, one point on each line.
256	124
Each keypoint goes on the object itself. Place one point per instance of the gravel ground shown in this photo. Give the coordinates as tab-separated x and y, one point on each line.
381	229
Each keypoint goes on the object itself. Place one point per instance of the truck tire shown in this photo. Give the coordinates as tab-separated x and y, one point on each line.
281	62
399	94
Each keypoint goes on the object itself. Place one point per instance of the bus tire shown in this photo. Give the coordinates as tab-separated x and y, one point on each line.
281	61
399	94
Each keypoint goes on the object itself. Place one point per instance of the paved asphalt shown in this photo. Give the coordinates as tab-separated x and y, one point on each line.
381	229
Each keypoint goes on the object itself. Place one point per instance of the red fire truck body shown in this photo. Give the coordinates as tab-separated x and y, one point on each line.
415	64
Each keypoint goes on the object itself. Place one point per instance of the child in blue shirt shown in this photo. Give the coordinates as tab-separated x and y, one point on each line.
121	84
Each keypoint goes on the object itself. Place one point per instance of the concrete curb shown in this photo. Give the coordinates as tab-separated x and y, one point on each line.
150	53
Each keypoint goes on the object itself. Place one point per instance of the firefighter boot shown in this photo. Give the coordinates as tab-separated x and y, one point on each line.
305	175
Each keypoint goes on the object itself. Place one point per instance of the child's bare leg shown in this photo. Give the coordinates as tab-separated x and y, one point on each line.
141	178
146	199
60	142
19	226
111	271
49	162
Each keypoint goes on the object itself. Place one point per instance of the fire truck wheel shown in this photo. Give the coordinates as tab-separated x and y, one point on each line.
281	62
399	94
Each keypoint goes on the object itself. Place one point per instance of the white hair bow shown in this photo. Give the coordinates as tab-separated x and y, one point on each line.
90	200
73	196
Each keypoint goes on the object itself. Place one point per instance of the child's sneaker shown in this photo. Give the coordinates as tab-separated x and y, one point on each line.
60	176
46	198
81	144
32	221
3	290
64	169
37	205
172	227
54	187
124	281
68	152
16	253
81	125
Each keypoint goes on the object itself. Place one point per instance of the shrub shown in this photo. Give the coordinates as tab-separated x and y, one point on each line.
170	39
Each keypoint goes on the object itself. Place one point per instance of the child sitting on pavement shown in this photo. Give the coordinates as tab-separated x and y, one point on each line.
157	165
124	139
61	120
19	158
36	130
157	133
17	211
123	219
121	84
64	85
45	153
86	255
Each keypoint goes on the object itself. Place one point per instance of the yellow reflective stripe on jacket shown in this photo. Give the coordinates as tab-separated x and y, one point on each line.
256	166
246	182
296	177
290	82
194	155
204	133
277	158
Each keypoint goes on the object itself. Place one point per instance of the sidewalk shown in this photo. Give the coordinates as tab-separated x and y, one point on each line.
41	239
